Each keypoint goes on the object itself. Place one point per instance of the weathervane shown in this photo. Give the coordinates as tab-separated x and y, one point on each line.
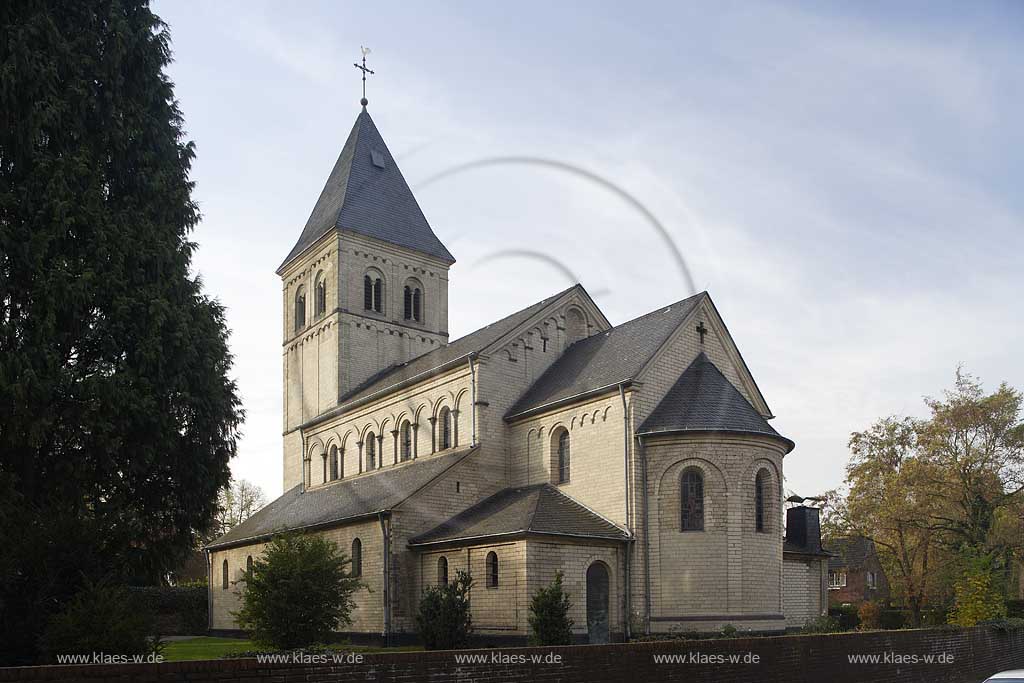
365	71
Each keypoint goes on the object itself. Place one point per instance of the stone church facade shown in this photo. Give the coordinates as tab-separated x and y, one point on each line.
636	459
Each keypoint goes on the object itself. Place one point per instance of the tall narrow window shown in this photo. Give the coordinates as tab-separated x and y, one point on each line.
407	307
357	557
446	428
760	482
248	565
335	468
320	295
692	500
563	457
417	305
371	451
324	457
367	293
492	570
442	571
406	440
378	295
300	309
224	575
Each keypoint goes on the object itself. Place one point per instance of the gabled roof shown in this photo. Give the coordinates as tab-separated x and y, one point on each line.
605	359
359	496
538	509
367	194
704	400
438	359
849	551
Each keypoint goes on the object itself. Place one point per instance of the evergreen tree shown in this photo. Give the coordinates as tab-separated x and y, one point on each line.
549	615
118	416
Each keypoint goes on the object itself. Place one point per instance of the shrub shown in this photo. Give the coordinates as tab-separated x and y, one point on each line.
846	615
977	598
298	593
893	619
177	610
822	624
444	620
870	616
1015	609
101	618
729	631
549	615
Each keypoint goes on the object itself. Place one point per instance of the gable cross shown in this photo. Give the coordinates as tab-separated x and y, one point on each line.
362	67
701	330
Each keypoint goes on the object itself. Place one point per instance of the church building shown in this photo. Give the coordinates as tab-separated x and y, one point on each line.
636	459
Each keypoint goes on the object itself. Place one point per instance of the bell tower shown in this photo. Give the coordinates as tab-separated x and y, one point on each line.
365	287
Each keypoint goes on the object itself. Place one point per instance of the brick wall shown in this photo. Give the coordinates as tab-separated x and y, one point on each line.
977	653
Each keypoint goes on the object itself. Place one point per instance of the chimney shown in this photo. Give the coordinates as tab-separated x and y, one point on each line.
803	527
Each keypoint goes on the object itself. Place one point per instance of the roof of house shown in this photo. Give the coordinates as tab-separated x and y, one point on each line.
849	551
606	358
367	194
348	498
537	509
704	400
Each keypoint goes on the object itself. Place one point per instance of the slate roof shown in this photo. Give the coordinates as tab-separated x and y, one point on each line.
361	495
703	400
606	358
537	509
473	342
367	194
849	551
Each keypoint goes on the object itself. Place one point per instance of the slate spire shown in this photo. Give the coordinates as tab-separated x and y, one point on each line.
367	194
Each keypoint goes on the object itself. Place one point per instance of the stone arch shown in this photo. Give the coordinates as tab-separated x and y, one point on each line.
375	289
560	458
414	296
772	492
716	491
575	325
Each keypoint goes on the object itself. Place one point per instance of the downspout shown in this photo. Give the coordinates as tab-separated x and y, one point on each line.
472	396
629	529
209	590
647	540
386	536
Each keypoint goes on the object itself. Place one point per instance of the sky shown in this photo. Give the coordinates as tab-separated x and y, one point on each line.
843	178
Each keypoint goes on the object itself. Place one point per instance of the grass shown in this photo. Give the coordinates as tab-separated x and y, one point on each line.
205	647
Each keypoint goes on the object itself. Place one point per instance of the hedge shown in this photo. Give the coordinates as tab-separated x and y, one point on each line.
178	610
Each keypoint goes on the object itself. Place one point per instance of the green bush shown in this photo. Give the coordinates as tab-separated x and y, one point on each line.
847	617
549	615
444	621
1015	609
729	631
822	624
177	610
870	616
101	618
894	619
978	598
297	593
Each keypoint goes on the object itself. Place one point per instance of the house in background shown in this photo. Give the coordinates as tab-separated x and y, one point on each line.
855	574
804	567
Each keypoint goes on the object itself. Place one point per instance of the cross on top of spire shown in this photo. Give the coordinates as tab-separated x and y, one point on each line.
362	67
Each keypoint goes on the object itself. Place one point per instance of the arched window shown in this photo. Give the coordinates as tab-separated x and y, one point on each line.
692	500
575	326
319	295
407	303
446	428
417	305
563	457
307	472
492	569
367	293
335	467
442	571
371	451
378	295
324	458
224	575
357	557
300	309
406	440
760	484
248	565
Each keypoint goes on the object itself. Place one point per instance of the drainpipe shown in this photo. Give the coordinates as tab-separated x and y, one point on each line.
647	539
386	536
209	590
629	528
472	396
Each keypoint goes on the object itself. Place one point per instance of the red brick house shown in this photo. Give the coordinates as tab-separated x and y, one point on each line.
855	574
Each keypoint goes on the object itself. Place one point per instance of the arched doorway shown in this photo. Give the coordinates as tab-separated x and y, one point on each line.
597	603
